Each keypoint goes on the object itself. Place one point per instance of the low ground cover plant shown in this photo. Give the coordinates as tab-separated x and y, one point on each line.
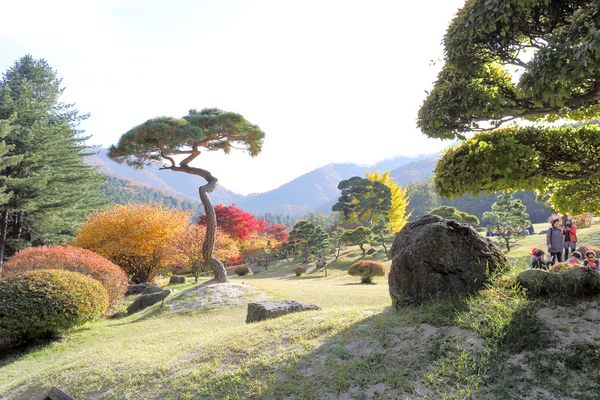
46	303
69	258
367	269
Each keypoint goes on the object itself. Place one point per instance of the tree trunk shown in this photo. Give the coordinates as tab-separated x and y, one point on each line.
211	233
208	246
3	229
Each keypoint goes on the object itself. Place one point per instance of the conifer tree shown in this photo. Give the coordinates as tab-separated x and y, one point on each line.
554	48
168	139
510	216
51	189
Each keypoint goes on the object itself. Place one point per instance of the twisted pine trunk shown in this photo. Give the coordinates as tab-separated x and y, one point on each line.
211	232
208	246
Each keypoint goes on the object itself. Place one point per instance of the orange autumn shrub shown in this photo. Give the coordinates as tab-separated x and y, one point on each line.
73	259
134	236
367	269
187	248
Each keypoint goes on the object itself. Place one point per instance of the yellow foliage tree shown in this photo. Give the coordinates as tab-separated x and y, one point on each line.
134	236
259	247
397	213
187	248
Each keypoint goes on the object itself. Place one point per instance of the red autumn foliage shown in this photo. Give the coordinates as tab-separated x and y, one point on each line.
75	259
238	223
241	225
279	232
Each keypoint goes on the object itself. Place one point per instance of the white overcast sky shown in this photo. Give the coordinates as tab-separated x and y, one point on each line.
327	81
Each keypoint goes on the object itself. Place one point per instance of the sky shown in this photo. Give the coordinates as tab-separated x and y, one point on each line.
326	80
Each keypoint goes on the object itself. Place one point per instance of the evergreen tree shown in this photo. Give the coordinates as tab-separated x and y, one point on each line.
358	237
210	129
520	60
51	189
510	217
300	236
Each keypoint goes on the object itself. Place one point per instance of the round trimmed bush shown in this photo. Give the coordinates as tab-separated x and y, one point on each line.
48	302
584	249
299	270
69	258
242	270
367	269
562	266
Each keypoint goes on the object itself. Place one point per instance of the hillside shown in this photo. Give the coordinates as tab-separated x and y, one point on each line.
123	191
313	191
497	344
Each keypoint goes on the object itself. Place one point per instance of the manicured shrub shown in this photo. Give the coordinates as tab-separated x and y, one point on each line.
584	249
242	270
75	259
562	266
299	270
367	269
48	302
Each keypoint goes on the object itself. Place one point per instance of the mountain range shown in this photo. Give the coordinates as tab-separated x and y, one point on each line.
314	191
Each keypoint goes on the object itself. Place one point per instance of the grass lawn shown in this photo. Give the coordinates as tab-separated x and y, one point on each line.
496	344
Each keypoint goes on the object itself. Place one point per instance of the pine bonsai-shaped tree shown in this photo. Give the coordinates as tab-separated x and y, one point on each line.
554	48
169	139
510	217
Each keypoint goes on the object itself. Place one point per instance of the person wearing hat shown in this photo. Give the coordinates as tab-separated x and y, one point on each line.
554	241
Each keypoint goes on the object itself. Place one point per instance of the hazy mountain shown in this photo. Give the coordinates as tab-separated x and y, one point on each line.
314	191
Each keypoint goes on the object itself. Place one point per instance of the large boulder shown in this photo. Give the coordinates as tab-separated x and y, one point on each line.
146	300
262	310
579	281
434	257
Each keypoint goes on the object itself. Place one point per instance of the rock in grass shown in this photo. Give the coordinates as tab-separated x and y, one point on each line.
262	310
579	281
435	257
146	300
175	279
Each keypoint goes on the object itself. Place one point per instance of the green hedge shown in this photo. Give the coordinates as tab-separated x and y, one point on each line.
48	302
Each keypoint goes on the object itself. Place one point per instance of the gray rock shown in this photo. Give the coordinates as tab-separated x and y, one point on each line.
579	281
146	300
433	257
177	279
137	288
152	288
262	310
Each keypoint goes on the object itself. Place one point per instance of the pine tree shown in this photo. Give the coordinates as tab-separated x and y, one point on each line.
51	189
510	217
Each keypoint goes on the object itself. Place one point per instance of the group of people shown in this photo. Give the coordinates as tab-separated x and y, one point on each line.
562	239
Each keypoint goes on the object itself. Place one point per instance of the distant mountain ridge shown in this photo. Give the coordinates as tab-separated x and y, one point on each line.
314	191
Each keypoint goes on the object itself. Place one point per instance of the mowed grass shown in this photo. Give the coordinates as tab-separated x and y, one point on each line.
353	348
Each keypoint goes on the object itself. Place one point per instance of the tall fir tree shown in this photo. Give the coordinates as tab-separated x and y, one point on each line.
51	190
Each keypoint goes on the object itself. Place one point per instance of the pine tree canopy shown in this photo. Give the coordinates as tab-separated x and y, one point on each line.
520	60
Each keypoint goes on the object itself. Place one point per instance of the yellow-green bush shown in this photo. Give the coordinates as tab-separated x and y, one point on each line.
48	302
299	270
367	269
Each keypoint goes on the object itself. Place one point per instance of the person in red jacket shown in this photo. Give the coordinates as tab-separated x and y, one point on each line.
569	232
